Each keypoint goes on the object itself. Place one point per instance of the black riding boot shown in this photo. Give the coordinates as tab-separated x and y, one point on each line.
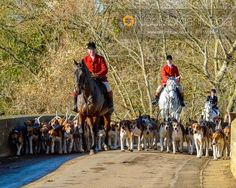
110	102
156	100
181	98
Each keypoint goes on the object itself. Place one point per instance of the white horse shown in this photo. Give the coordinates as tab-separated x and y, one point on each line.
209	113
169	103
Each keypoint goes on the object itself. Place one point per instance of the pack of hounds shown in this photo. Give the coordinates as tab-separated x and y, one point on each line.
63	135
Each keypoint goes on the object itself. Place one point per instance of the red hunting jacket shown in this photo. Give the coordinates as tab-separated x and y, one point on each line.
97	66
167	71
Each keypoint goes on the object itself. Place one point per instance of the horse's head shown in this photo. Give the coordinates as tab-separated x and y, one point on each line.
171	87
80	75
208	108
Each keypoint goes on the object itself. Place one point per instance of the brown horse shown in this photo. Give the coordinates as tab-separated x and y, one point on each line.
92	105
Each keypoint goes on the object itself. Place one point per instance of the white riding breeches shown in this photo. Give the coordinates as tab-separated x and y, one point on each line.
107	86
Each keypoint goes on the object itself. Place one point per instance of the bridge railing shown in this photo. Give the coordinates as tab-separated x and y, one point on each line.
8	123
233	148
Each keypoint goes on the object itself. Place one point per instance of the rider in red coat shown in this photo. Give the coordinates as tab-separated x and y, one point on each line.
167	71
97	66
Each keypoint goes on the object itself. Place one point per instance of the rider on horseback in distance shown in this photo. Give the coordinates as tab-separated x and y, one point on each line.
169	70
96	65
213	100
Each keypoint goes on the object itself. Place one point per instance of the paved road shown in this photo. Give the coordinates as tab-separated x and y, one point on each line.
18	171
119	170
138	169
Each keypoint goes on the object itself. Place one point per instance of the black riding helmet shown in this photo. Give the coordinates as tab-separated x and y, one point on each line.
91	45
213	90
169	57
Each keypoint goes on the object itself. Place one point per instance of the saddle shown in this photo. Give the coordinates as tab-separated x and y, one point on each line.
102	87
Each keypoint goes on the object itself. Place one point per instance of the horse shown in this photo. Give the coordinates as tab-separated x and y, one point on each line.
169	103
92	105
209	114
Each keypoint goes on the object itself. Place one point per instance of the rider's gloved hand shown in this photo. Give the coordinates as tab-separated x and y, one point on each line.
94	75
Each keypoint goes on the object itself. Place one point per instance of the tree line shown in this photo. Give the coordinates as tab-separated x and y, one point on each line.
40	39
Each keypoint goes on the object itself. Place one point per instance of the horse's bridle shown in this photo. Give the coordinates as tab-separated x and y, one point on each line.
80	79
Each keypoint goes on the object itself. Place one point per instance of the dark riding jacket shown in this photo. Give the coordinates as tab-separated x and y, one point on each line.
213	100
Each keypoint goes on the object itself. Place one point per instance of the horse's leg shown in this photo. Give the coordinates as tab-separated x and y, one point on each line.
90	124
107	121
96	121
81	123
207	147
131	142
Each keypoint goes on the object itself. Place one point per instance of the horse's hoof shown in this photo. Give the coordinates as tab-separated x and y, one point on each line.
91	152
131	150
122	150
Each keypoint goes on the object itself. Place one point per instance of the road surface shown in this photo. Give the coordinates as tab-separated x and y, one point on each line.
115	169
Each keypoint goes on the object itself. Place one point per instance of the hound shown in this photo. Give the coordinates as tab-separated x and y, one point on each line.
218	143
113	135
68	137
126	134
44	137
33	134
147	132
156	128
55	134
101	139
189	139
177	136
18	138
201	136
165	135
227	135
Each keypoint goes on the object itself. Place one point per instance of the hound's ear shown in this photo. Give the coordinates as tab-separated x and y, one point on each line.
76	63
149	117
